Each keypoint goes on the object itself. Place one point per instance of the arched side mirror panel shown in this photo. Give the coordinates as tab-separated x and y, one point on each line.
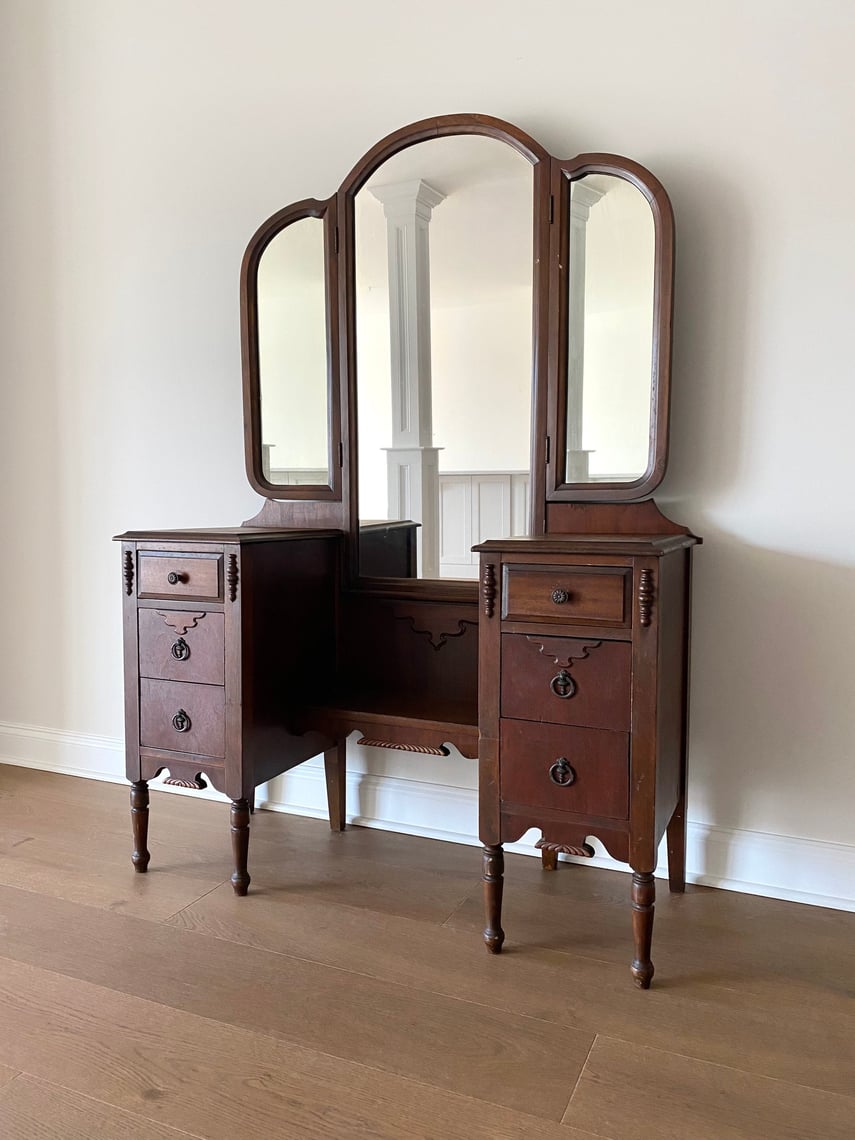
290	348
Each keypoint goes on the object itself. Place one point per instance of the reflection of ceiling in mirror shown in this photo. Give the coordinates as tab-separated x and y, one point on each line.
488	191
295	256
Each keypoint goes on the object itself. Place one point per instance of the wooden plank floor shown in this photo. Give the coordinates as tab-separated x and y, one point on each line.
349	994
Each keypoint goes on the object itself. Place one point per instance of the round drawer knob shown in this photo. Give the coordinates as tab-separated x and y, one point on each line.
563	685
176	576
561	773
181	721
560	596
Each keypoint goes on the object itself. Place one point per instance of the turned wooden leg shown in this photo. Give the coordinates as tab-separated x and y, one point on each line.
335	769
643	898
677	848
494	866
240	845
139	823
548	859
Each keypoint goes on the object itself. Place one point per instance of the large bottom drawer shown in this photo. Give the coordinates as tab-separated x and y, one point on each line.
581	770
182	717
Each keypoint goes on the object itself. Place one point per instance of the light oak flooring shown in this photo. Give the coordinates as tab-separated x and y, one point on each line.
349	994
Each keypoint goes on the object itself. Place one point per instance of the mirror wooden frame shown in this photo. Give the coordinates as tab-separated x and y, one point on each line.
261	239
337	503
563	175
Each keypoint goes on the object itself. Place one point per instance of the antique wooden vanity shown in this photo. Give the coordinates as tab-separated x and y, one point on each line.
466	347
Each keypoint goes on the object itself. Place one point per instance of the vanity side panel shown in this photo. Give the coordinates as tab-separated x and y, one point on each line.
647	610
289	647
672	699
489	697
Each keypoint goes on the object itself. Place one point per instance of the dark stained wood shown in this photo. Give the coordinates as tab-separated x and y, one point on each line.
643	898
596	762
194	651
566	680
180	576
335	772
388	549
565	594
616	519
565	768
139	823
239	813
269	645
326	630
493	872
182	717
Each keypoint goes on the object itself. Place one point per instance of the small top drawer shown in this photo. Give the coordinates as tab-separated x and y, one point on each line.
172	575
591	595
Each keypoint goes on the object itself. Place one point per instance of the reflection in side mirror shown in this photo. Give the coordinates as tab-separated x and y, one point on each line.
292	356
611	265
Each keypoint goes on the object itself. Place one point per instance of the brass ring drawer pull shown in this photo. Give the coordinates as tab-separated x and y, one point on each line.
560	596
563	685
181	721
561	773
176	576
180	650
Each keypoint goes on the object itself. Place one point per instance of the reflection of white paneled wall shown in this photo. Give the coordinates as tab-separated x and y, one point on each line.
474	506
299	476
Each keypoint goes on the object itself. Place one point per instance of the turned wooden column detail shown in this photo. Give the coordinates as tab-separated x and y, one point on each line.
643	899
494	868
240	845
139	823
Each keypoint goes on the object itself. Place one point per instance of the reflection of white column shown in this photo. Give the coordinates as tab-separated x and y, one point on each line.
412	460
582	199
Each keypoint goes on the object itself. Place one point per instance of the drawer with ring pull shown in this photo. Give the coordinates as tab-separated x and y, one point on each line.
587	595
182	645
581	770
182	717
567	680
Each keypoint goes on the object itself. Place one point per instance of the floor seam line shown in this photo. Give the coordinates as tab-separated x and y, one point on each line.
578	1079
108	1104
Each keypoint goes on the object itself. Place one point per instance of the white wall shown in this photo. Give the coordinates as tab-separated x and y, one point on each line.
142	146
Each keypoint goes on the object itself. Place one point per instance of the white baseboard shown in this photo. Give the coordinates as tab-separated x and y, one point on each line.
753	862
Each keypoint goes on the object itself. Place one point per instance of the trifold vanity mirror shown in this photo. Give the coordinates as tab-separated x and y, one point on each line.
467	346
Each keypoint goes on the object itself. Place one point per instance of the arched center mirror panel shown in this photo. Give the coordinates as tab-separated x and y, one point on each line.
443	290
